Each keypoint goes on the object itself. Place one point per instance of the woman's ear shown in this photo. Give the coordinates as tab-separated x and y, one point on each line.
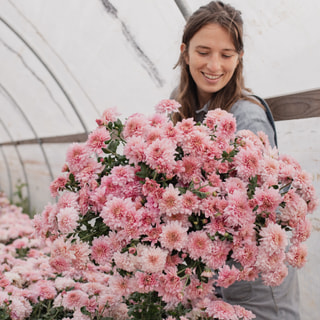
241	55
184	53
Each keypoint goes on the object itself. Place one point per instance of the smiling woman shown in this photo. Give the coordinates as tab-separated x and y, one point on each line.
212	78
212	59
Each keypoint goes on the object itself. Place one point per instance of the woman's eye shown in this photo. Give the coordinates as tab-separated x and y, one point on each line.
202	53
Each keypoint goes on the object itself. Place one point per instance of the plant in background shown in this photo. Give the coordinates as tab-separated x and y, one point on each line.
146	233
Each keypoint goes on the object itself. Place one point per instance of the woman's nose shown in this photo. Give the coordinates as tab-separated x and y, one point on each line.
214	63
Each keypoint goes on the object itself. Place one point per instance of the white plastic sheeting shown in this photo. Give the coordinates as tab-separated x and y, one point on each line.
62	62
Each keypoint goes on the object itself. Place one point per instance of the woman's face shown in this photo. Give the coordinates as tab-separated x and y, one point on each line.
212	60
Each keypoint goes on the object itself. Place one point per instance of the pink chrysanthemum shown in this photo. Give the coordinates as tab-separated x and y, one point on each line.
160	155
297	255
20	308
45	289
170	202
101	250
237	212
153	259
174	236
227	276
146	282
295	208
134	149
219	309
273	238
248	163
77	157
275	278
135	126
246	254
74	299
218	254
226	127
189	203
115	212
268	200
57	185
242	313
302	231
124	261
191	169
96	140
196	142
109	115
167	106
199	244
121	286
170	287
67	219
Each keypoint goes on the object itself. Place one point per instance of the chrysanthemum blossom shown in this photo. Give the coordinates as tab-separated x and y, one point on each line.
222	310
273	238
167	106
101	250
160	155
134	149
237	212
170	202
153	259
268	200
174	236
115	211
74	299
77	157
297	255
199	244
275	278
146	282
96	140
57	185
248	163
67	220
227	276
109	115
135	125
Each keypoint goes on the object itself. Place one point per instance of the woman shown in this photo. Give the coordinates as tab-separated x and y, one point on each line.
211	77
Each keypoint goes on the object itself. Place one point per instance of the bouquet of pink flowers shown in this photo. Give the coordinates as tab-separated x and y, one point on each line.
146	232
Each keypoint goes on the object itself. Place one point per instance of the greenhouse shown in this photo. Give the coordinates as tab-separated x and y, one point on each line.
73	72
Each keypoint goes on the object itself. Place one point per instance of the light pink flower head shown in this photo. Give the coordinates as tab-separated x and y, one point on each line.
74	299
297	255
170	202
273	238
222	310
160	155
167	106
67	219
109	115
199	244
153	259
77	157
227	276
96	140
135	125
174	236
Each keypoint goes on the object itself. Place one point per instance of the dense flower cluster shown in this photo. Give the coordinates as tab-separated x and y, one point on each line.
149	230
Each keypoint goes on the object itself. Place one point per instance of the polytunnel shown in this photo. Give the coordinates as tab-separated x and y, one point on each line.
64	62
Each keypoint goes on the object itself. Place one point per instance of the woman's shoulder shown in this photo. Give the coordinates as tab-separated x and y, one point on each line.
246	105
252	116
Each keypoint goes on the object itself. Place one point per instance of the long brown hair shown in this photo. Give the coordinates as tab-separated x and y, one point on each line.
230	19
